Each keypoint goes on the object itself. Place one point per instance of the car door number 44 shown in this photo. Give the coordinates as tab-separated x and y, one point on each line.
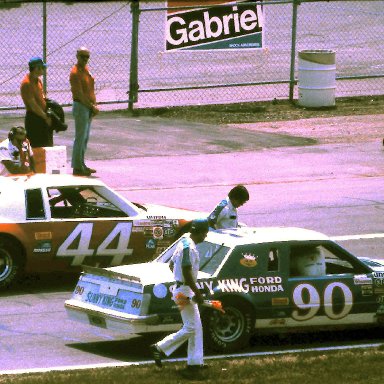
306	298
83	232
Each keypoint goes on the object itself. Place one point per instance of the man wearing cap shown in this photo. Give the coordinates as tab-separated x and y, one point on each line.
37	122
185	264
16	155
84	109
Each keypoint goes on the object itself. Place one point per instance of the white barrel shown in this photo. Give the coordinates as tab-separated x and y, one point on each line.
317	78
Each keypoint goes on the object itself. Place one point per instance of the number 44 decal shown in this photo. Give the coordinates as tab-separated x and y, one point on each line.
83	231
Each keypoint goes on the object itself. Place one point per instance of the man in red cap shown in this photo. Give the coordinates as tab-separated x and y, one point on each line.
37	122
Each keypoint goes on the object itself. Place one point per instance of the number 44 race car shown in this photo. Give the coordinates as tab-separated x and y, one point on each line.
267	279
60	222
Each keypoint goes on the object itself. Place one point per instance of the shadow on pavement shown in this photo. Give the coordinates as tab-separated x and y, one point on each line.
134	349
137	348
44	283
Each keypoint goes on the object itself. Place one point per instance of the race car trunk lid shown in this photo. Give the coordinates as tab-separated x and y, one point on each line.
119	289
100	289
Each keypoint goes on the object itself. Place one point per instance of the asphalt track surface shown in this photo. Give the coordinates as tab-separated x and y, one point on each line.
334	188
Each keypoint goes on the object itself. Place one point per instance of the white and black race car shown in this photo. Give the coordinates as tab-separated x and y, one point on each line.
268	280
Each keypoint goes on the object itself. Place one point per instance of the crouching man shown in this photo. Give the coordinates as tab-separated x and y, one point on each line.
16	155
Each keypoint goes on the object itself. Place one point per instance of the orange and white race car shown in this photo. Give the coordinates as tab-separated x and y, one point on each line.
60	222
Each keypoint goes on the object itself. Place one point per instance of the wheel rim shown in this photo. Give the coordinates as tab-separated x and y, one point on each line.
5	264
230	326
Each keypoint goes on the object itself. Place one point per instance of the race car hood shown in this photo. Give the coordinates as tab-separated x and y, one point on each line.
148	273
376	264
173	213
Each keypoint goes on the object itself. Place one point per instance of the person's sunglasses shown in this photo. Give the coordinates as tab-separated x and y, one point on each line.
84	56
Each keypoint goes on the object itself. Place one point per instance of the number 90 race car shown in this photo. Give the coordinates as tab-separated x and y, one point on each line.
268	280
60	222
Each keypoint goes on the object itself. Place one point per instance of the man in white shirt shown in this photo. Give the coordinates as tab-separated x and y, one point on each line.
185	264
16	155
225	213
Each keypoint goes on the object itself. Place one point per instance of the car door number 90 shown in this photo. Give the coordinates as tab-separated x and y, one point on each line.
308	301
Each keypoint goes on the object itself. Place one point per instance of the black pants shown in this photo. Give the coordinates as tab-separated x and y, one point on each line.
38	132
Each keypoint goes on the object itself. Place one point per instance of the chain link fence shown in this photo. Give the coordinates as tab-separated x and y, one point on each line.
150	76
104	27
354	30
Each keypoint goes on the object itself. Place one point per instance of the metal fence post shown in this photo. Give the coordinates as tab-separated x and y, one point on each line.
295	4
45	44
133	72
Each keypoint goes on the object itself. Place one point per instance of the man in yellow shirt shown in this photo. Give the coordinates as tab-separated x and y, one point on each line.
84	109
37	122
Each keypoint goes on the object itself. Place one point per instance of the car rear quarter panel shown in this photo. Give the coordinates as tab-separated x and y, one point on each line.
66	245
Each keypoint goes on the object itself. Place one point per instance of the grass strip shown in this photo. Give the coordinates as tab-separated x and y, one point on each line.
352	367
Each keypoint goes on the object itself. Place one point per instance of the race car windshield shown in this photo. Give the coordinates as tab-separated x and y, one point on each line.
211	255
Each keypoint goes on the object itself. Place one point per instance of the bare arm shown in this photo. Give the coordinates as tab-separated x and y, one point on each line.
31	104
14	168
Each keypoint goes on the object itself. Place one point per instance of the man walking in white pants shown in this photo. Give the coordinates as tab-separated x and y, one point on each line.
185	265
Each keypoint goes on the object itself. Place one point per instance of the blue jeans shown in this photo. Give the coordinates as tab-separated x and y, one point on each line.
83	120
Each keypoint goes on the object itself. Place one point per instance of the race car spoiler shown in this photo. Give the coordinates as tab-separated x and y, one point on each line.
110	274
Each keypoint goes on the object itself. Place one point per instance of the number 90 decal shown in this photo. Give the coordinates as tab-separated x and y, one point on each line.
307	298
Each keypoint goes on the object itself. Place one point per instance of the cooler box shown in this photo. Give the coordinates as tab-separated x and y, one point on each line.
50	159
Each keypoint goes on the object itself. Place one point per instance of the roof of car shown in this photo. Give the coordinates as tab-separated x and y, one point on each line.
12	191
254	235
42	180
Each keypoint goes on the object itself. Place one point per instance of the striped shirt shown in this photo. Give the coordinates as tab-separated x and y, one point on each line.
185	255
224	215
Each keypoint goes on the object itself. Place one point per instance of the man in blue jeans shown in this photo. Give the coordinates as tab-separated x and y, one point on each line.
84	109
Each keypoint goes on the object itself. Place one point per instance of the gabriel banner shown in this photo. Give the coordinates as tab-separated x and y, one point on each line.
217	25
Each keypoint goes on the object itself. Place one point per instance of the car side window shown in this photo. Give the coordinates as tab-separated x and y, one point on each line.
317	260
273	260
80	202
35	204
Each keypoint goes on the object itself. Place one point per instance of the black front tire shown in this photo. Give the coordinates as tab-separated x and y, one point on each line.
11	262
231	331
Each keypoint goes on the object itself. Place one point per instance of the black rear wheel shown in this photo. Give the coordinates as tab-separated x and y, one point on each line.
11	262
230	331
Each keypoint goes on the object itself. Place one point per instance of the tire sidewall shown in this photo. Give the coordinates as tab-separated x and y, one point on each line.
212	339
10	247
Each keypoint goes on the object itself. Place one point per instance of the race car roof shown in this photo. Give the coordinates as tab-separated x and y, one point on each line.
255	235
41	180
12	191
